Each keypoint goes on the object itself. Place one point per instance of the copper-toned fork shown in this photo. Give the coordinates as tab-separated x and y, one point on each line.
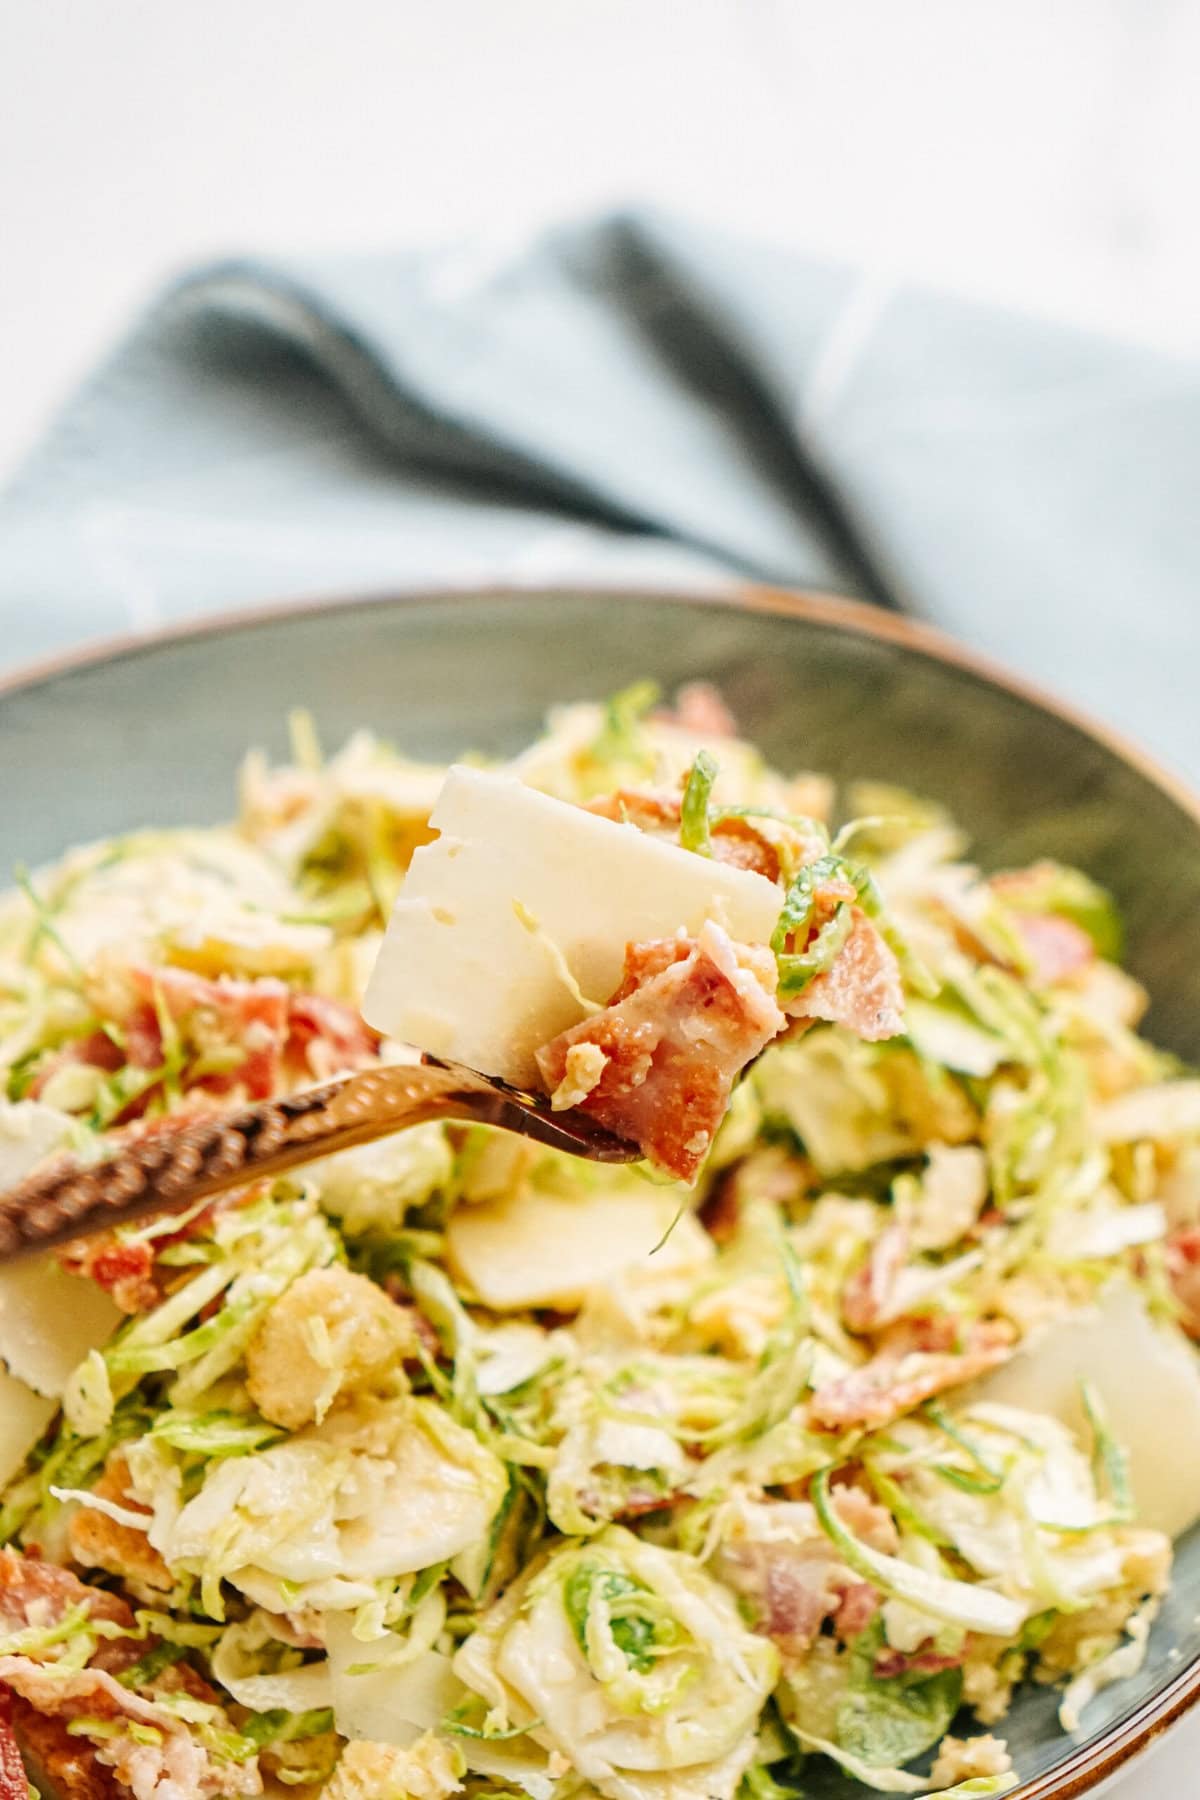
176	1166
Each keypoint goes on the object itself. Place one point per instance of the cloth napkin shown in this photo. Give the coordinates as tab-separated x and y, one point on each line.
631	397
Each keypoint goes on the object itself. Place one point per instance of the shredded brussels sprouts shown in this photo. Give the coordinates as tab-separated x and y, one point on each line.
457	1465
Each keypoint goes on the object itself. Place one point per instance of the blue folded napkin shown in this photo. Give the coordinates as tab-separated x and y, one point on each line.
629	397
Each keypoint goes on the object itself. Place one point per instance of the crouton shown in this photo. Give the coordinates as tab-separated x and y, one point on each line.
969	1759
332	1333
98	1542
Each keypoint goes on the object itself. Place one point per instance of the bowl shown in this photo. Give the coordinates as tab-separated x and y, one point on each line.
151	731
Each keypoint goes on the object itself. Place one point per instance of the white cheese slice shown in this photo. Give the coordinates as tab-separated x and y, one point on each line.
24	1416
49	1320
388	1705
29	1131
525	903
1148	1380
539	1248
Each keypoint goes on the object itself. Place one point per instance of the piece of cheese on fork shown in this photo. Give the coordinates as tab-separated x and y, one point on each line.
513	923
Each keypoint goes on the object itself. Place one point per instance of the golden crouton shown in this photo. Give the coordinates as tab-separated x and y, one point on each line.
98	1542
330	1334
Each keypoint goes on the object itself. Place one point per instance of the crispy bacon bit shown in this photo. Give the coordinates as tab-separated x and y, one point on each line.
1183	1269
893	1383
13	1785
124	1270
859	1604
890	1663
792	1586
761	845
33	1592
655	811
241	1037
63	1764
128	1271
638	1503
687	1018
327	1036
861	989
700	709
175	1765
1057	947
248	1015
868	1293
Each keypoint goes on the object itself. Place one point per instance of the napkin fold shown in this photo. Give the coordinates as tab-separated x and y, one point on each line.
630	397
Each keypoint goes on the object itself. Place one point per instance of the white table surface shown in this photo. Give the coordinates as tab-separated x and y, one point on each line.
1045	156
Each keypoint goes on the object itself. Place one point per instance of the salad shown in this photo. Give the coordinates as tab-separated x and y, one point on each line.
454	1466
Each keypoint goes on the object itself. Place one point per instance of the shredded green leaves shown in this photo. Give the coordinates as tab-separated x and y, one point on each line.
693	822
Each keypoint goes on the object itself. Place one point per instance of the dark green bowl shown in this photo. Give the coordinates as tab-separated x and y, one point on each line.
151	732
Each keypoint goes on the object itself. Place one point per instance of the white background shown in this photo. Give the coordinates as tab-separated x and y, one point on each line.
1042	152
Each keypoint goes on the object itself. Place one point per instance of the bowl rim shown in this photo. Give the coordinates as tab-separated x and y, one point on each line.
817	606
1090	1764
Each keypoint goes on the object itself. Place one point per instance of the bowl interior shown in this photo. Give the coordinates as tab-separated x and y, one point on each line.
154	736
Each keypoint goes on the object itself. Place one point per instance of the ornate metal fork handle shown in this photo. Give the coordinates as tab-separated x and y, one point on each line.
176	1167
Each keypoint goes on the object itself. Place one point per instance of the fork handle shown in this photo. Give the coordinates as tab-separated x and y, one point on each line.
174	1168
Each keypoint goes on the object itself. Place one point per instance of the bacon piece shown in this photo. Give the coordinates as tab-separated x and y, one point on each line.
1057	947
795	1586
222	1015
869	1291
248	1015
700	709
98	1542
858	1606
63	1764
689	1015
890	1663
175	1766
13	1785
33	1592
761	845
128	1271
123	1270
894	1382
655	811
792	1586
1183	1270
326	1036
41	1594
861	989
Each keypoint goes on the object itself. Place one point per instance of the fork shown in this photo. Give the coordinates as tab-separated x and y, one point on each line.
180	1165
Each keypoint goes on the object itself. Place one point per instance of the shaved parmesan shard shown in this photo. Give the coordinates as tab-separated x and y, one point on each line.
386	1705
49	1320
1148	1380
24	1416
29	1132
520	913
539	1248
1167	1109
